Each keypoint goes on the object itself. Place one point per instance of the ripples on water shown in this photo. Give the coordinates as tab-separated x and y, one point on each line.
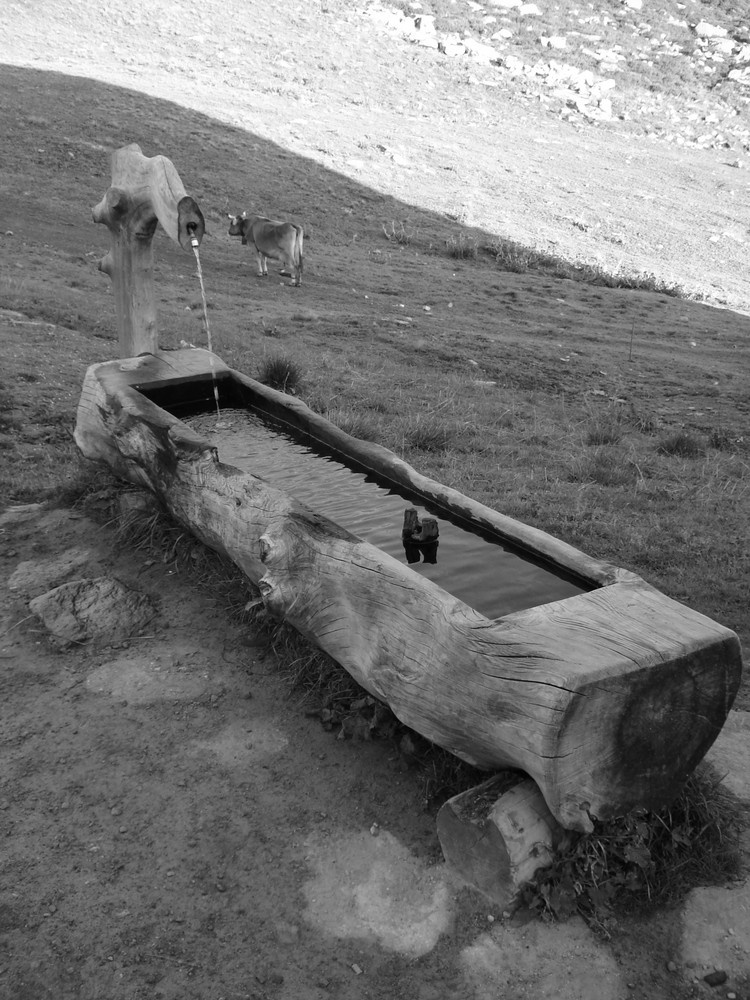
484	574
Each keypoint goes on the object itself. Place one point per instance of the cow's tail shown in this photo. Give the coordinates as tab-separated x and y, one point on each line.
298	255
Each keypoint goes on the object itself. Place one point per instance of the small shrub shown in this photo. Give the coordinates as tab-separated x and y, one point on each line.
683	444
462	247
721	439
607	467
359	425
604	432
398	232
280	372
427	434
511	256
642	860
519	259
642	422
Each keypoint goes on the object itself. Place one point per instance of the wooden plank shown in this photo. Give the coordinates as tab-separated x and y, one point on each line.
607	700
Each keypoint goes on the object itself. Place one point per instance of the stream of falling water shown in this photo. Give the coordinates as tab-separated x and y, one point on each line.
219	425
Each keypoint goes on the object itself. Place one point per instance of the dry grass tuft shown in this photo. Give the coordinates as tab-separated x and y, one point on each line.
399	232
281	372
683	444
643	860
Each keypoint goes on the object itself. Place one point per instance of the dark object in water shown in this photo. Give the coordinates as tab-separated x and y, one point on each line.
420	538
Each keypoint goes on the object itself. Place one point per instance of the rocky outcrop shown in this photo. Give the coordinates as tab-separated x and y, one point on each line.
590	95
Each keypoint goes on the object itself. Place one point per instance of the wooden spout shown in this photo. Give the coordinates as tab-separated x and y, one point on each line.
145	192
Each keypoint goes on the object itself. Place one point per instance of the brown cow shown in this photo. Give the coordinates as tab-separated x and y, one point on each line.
278	240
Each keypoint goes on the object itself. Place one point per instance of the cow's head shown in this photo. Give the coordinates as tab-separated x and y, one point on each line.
235	224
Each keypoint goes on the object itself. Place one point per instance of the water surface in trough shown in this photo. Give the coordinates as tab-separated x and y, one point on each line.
486	575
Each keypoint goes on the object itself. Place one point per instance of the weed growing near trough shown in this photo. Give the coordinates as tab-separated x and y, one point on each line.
642	860
280	372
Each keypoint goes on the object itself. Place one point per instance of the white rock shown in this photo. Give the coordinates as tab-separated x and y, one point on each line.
562	94
634	4
554	42
502	33
480	50
705	30
513	63
388	18
452	49
529	10
425	23
725	45
504	4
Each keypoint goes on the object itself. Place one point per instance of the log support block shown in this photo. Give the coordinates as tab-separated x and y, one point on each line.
498	835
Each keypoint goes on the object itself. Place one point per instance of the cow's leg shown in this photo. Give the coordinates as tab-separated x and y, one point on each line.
295	272
287	268
260	264
265	265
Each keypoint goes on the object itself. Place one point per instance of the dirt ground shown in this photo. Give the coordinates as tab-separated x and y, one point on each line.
174	825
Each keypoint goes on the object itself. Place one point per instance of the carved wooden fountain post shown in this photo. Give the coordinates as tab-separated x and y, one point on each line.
145	191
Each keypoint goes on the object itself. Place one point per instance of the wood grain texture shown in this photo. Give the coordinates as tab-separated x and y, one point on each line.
497	835
145	191
607	699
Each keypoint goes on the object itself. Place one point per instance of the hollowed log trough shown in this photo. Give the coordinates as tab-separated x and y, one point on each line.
607	700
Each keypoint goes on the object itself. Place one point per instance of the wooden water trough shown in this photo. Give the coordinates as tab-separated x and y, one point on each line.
602	702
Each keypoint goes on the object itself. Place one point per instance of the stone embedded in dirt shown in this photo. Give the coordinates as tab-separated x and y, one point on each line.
100	608
20	513
717	978
705	30
36	576
132	502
